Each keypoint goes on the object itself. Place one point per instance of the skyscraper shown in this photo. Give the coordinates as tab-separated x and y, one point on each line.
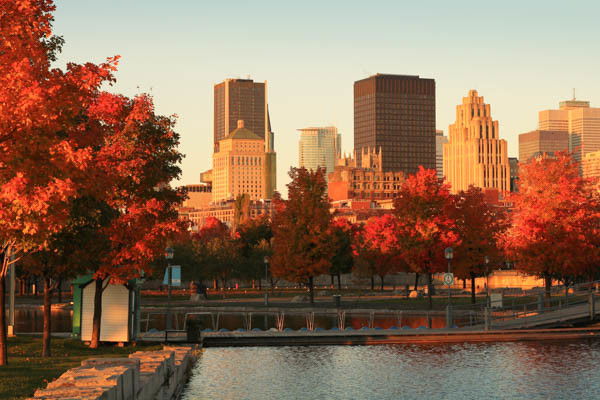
440	140
241	99
242	166
539	142
581	121
475	154
397	114
245	100
319	147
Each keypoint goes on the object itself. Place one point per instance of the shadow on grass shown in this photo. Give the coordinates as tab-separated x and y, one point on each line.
27	371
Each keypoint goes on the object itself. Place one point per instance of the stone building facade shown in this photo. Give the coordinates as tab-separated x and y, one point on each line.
242	166
475	154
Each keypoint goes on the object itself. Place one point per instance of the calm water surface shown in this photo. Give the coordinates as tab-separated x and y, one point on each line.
567	370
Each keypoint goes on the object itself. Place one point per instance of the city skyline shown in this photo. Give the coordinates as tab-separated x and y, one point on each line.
176	65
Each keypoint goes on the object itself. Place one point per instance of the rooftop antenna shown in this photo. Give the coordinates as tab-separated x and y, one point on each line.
574	98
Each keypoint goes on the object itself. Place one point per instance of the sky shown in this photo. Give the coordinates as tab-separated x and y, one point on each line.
522	56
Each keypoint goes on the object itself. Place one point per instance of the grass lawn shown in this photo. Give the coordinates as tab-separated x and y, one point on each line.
27	371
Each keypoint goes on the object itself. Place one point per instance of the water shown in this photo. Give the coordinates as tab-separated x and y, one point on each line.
524	370
28	320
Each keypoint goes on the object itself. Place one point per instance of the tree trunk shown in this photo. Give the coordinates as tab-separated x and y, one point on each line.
97	318
416	282
407	290
260	284
464	283
548	287
3	344
339	276
311	287
372	282
47	318
430	290
473	299
59	290
382	277
332	281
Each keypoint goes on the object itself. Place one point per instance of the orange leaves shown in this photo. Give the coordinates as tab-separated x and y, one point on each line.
555	220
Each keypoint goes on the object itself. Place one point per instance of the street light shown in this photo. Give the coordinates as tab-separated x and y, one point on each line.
449	254
266	260
486	260
169	253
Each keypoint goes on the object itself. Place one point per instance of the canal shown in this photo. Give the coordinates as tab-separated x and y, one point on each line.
524	370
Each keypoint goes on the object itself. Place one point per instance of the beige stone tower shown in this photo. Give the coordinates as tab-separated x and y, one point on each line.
475	155
242	166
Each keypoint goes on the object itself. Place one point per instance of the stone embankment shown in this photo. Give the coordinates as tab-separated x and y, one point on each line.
145	375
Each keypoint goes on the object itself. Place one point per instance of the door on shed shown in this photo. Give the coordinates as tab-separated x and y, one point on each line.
115	311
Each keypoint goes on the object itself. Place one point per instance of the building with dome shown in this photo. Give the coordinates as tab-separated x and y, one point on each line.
243	165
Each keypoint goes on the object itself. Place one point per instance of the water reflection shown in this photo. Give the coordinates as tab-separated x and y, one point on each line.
28	320
453	371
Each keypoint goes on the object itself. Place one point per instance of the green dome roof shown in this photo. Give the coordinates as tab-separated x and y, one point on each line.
242	133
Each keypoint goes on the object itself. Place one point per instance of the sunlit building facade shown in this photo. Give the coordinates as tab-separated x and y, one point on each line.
475	154
580	121
319	148
242	166
440	140
538	142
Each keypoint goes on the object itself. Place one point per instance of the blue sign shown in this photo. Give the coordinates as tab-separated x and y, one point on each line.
175	275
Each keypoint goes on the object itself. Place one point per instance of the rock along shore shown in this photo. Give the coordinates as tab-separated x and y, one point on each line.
145	375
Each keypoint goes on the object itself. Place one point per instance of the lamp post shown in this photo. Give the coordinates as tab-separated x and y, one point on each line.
169	253
486	260
449	254
266	260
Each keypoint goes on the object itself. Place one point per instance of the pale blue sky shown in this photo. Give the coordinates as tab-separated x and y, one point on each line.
522	56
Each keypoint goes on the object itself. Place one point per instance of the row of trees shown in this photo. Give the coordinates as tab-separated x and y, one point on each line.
84	173
550	229
309	241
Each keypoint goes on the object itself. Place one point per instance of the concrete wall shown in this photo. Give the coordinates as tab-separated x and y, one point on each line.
152	375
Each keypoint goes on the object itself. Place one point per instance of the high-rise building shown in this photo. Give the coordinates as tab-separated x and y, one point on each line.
397	114
245	100
581	121
538	142
319	148
590	165
440	140
242	99
242	166
475	154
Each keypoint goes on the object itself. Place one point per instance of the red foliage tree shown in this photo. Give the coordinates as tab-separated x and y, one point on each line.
302	247
137	160
478	225
342	238
43	148
425	226
378	245
555	220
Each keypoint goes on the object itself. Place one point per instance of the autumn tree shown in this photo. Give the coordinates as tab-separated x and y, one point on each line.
378	246
217	251
254	237
301	235
44	136
425	226
555	221
478	225
137	161
342	237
